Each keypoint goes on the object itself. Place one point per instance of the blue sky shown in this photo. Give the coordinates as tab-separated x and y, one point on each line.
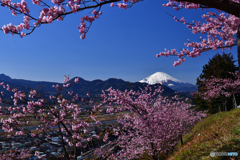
120	44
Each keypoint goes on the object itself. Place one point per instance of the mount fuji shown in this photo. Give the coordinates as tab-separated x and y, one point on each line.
169	81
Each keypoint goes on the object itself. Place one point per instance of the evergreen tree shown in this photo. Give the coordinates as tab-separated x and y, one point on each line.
219	66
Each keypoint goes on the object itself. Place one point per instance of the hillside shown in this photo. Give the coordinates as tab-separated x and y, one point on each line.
218	132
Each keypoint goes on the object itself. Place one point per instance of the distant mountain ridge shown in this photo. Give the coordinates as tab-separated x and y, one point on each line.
169	81
5	78
94	87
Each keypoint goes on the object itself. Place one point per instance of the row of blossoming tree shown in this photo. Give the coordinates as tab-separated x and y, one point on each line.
153	126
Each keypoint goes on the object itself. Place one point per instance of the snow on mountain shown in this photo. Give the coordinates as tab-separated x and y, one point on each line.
160	77
169	81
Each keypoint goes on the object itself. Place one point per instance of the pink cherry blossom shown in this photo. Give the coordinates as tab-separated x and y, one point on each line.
220	28
156	124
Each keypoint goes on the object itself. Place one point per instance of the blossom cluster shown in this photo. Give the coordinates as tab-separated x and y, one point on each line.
90	19
220	28
216	87
55	10
15	155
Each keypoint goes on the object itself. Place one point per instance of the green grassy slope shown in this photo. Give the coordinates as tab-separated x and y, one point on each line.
218	132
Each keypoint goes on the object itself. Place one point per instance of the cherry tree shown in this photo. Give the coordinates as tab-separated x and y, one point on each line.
155	123
56	116
227	87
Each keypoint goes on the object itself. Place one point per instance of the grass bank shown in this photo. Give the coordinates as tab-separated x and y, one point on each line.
218	132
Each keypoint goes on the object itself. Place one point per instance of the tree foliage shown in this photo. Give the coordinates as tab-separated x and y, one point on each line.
219	66
227	87
157	122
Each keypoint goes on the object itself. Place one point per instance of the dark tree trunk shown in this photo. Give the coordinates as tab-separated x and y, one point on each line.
181	140
234	102
75	151
238	45
224	5
225	105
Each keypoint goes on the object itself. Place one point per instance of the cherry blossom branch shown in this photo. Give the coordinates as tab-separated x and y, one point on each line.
229	6
56	12
221	33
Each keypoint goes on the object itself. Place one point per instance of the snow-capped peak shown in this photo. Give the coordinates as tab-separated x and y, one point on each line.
159	77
